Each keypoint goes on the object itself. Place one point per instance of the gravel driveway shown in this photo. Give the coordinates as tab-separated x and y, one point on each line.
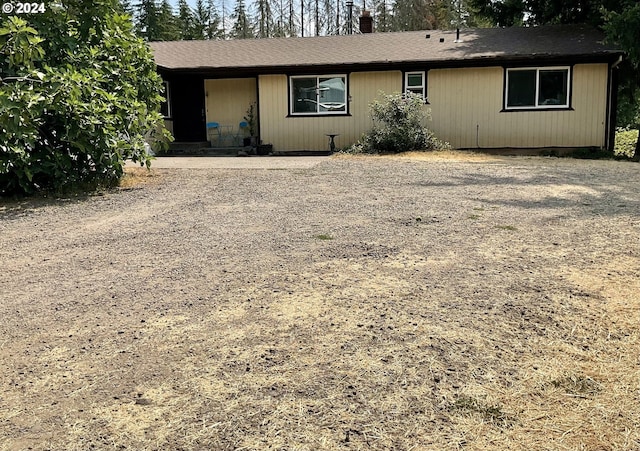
434	303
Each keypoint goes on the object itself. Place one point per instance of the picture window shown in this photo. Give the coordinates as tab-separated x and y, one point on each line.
318	95
537	88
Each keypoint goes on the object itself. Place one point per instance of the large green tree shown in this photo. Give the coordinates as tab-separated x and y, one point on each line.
623	27
168	28
185	21
147	20
79	95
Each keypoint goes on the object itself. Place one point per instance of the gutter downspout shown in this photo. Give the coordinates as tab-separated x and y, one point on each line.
612	105
617	63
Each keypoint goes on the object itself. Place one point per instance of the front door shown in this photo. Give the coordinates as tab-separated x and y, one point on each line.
188	108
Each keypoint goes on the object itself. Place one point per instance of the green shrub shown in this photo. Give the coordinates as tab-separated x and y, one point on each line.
79	95
398	126
625	142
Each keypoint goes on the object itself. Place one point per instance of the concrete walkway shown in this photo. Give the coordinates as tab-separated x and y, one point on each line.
234	162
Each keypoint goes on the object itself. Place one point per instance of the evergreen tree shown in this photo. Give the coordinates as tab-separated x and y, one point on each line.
167	25
382	16
201	19
242	28
422	15
291	29
185	21
127	7
264	18
327	23
213	30
280	18
224	19
147	20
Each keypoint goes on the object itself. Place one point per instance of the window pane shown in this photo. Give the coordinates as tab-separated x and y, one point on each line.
521	88
414	80
332	94
304	95
418	91
553	87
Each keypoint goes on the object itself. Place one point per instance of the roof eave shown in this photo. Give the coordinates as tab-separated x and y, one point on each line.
482	61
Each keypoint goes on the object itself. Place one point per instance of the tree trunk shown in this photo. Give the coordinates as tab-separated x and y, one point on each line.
636	153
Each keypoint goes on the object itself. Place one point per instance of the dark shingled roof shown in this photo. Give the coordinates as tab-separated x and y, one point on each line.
378	49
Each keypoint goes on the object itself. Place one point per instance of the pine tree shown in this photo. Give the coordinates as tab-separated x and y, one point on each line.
147	20
201	19
327	19
291	29
214	30
167	26
382	16
242	28
264	18
411	15
185	21
279	19
127	7
224	19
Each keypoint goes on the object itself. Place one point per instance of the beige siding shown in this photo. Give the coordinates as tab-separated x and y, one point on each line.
309	133
466	107
228	100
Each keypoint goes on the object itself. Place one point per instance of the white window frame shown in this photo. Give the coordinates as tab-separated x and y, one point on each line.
423	74
319	113
536	106
167	96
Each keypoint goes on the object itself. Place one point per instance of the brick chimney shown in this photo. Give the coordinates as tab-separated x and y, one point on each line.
366	22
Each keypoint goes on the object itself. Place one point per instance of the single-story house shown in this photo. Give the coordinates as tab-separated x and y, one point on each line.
538	87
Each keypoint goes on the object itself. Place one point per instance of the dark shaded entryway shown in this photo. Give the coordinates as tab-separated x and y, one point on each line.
187	107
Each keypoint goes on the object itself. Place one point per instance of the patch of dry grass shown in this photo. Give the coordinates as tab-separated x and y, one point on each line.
215	326
136	176
436	155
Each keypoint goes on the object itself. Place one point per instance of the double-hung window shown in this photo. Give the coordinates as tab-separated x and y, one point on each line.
311	95
537	88
416	82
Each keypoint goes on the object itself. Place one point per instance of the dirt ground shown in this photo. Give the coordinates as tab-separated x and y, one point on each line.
443	302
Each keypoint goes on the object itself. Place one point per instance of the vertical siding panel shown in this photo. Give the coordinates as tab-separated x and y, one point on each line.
538	131
434	88
591	106
590	101
587	79
474	117
462	99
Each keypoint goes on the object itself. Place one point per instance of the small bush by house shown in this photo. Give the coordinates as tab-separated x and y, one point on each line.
398	126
